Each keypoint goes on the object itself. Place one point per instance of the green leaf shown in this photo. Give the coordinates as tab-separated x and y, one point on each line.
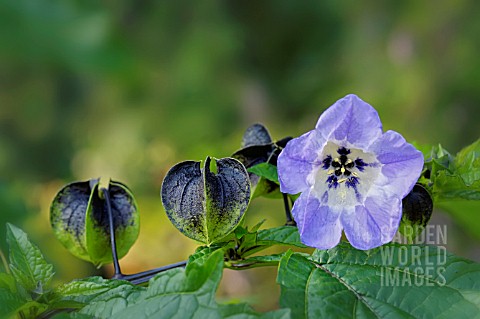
450	186
13	305
264	179
79	220
246	240
177	293
80	292
240	232
265	170
257	226
204	205
73	315
440	159
10	303
90	294
293	276
253	241
264	188
244	311
426	149
7	281
27	263
459	177
105	298
244	245
283	235
14	300
467	164
203	252
390	281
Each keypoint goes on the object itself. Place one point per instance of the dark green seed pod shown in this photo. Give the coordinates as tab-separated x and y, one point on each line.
257	148
79	219
417	209
204	205
256	134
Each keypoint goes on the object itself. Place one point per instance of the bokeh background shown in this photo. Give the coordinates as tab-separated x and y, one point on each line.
125	89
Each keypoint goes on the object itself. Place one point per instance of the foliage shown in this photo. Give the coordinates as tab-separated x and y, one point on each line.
126	89
344	282
102	88
394	280
176	293
338	282
454	182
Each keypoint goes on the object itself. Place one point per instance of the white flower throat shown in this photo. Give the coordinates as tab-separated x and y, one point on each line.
345	175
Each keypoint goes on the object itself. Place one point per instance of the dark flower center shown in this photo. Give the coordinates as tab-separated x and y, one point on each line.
340	169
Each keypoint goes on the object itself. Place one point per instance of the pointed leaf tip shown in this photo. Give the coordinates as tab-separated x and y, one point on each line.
27	263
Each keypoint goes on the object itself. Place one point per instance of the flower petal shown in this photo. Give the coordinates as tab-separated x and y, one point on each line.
297	160
375	223
350	119
401	163
319	226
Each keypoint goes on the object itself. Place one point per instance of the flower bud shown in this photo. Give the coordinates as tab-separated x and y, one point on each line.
417	209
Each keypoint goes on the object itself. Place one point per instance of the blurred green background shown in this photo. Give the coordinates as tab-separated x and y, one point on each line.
126	89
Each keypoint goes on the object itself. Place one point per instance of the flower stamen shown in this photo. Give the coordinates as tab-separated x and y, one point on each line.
340	168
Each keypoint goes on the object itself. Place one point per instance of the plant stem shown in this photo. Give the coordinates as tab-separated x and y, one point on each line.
249	265
138	278
254	249
288	214
116	264
144	276
4	261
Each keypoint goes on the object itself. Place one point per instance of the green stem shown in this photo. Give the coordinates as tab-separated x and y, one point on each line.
288	213
238	265
4	261
254	249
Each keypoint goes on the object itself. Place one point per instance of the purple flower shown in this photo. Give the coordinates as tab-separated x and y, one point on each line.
351	177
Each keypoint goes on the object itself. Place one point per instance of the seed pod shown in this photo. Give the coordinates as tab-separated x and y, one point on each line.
79	219
417	209
257	148
256	134
204	205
